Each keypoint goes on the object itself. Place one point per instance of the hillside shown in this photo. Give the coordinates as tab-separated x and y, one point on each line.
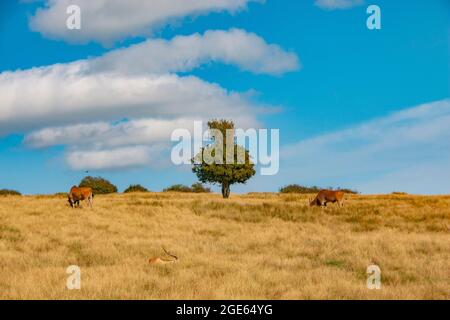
256	246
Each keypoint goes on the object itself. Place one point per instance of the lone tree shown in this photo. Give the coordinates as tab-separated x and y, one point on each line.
98	185
223	162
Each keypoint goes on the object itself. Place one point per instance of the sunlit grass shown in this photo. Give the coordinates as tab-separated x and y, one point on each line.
256	246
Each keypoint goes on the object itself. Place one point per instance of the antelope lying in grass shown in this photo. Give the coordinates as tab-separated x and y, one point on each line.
160	260
325	196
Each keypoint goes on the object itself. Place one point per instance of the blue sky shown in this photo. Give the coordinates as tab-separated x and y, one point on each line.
359	108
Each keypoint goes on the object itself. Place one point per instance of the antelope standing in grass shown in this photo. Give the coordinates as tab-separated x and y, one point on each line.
325	196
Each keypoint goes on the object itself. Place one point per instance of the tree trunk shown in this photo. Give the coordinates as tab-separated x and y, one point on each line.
225	190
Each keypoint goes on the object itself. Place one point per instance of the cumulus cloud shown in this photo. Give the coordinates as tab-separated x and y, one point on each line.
109	159
110	135
63	95
184	53
405	151
107	21
338	4
136	82
105	134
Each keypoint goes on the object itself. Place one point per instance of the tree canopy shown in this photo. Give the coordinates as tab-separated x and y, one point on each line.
98	185
223	162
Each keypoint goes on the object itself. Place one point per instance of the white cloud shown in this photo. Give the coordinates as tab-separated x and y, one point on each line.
135	83
104	134
110	135
109	159
59	95
184	53
338	4
406	151
90	144
107	21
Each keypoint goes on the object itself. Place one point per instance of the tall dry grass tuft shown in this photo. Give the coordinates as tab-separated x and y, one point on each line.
256	246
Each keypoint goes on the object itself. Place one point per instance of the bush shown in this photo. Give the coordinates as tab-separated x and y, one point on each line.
135	188
295	188
7	192
98	185
178	188
200	188
195	188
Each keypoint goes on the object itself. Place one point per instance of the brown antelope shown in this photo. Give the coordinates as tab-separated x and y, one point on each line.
77	194
160	260
325	196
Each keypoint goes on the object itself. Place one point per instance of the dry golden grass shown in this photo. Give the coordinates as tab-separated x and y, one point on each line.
256	246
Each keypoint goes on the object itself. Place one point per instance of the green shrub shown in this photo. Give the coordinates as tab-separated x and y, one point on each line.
200	188
178	188
98	185
135	188
195	188
7	192
295	188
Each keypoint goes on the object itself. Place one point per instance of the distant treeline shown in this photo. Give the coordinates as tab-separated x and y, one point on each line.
295	188
102	186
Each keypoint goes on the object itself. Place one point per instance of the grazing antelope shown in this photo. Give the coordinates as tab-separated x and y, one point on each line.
160	260
325	196
77	194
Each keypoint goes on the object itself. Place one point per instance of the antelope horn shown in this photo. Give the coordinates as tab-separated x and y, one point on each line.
169	254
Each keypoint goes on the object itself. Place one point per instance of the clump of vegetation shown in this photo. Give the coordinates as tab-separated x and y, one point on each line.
135	188
178	188
295	188
195	188
98	185
200	188
222	172
397	193
8	192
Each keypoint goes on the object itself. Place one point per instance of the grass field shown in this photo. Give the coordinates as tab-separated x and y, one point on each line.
256	246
